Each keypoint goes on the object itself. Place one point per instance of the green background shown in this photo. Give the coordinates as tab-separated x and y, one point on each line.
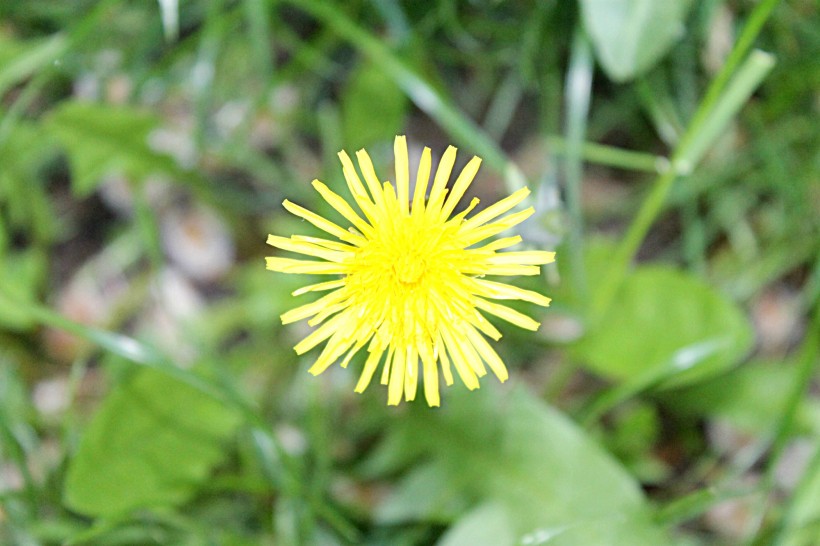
150	395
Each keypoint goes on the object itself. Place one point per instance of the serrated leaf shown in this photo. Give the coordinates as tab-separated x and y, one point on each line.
630	36
666	321
151	443
103	139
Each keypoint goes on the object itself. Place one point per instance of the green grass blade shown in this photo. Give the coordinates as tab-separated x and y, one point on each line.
610	156
742	46
699	138
577	95
693	145
31	60
424	95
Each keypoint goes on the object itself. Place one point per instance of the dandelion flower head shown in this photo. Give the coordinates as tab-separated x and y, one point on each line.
408	276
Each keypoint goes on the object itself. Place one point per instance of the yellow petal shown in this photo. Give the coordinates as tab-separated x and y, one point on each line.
335	348
502	291
323	224
318	287
458	218
496	209
506	270
469	352
310	309
327	311
402	173
498	244
411	374
431	392
394	388
370	178
391	204
356	348
445	167
342	207
369	368
480	233
324	243
488	354
308	249
510	315
288	265
422	180
465	371
524	257
320	334
386	369
462	183
483	325
441	352
354	184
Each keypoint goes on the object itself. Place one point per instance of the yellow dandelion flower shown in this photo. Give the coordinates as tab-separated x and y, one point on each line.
410	287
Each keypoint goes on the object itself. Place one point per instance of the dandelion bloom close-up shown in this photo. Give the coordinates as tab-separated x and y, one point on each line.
411	286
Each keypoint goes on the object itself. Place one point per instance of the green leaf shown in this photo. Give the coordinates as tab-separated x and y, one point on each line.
487	525
103	139
423	494
533	470
23	153
151	443
751	398
597	256
373	107
630	36
20	60
666	325
21	275
802	520
423	94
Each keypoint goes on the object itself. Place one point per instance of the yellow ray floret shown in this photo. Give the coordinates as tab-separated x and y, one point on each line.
410	288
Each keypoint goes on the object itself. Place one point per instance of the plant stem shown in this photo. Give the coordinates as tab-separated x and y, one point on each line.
577	91
611	156
691	149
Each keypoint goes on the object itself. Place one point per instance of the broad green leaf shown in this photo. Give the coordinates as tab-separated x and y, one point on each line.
630	36
373	107
422	495
487	525
751	398
151	443
633	432
539	473
103	139
665	325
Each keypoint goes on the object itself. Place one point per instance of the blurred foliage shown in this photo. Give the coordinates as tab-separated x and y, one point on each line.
149	395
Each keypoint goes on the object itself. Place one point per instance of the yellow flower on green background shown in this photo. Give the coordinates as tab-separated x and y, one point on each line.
409	282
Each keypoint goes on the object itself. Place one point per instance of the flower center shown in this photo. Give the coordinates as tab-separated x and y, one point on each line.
408	267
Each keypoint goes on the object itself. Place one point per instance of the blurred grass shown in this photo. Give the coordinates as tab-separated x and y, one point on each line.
145	149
